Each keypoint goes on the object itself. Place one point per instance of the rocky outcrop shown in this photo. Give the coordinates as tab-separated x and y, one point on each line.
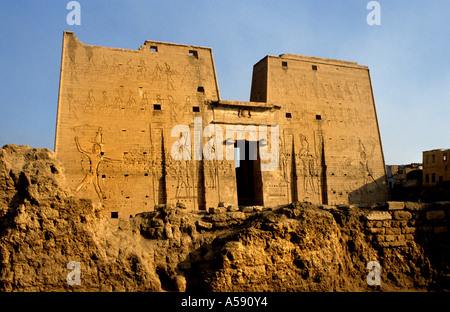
296	247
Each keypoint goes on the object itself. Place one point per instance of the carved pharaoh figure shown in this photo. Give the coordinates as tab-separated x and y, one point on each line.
95	159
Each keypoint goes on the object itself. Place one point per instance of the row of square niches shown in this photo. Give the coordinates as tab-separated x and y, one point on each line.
193	53
284	64
318	117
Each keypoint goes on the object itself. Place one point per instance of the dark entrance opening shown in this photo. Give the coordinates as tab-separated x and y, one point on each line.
248	173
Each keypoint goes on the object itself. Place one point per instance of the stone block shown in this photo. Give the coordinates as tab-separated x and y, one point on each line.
181	205
401	215
409	237
203	225
379	238
395	224
223	204
232	208
258	208
409	230
215	210
397	244
378	224
400	238
435	214
327	207
389	238
395	205
378	215
394	231
247	209
380	230
414	206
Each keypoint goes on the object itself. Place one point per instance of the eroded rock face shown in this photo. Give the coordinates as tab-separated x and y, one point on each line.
299	247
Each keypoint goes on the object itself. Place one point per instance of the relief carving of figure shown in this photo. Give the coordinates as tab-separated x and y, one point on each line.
182	178
283	162
365	158
72	106
309	167
90	101
143	104
169	73
95	157
142	70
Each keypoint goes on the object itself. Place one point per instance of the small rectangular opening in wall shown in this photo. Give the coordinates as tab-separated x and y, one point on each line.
196	109
318	117
102	153
114	215
154	48
201	89
124	130
284	65
103	176
156	107
314	67
125	175
146	174
193	53
288	115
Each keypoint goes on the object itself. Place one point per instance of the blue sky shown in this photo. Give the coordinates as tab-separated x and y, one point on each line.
408	55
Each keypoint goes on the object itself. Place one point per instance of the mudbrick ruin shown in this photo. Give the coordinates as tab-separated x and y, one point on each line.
156	184
290	247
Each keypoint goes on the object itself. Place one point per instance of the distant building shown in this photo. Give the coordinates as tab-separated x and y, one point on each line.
404	175
435	166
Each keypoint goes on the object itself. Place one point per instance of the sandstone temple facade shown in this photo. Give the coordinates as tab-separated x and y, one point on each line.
136	128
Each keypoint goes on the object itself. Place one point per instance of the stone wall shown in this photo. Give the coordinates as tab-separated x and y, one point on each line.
400	224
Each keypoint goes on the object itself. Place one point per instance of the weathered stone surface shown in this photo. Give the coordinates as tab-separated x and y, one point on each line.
296	247
378	215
